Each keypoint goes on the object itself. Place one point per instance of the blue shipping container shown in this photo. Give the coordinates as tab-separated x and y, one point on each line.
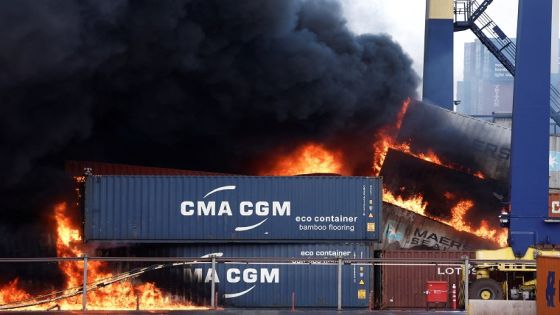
231	208
261	284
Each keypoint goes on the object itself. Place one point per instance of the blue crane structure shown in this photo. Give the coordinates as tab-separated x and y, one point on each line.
536	101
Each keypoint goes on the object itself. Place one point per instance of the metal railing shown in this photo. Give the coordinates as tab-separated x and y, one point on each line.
214	261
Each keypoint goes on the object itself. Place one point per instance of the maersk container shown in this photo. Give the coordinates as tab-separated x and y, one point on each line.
404	229
265	284
231	208
458	139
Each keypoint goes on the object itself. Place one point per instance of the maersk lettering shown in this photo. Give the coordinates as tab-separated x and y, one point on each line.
425	238
500	153
246	208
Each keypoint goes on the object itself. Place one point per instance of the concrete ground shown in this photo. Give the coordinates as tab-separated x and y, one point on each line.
251	312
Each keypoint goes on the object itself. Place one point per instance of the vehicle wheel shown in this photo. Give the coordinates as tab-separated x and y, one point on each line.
486	289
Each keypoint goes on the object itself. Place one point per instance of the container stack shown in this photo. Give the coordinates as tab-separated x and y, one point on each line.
300	218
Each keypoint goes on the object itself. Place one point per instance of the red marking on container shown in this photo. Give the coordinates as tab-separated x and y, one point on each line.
437	291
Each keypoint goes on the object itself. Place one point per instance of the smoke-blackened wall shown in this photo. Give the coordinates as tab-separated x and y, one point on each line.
201	84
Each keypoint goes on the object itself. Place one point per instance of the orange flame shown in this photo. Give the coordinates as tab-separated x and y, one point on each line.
10	292
308	158
457	221
122	295
415	203
386	139
458	212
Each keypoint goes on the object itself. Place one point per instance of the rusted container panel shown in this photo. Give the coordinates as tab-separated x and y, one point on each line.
554	204
404	286
77	168
404	229
548	290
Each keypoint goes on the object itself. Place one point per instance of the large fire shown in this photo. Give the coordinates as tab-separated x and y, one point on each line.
457	221
387	139
314	158
306	159
123	295
10	292
415	203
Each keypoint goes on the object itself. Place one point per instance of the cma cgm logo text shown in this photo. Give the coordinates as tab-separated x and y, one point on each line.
245	208
250	276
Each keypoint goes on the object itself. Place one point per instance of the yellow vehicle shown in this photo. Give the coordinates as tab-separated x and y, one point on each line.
500	275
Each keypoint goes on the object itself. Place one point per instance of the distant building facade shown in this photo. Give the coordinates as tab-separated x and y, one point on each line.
487	86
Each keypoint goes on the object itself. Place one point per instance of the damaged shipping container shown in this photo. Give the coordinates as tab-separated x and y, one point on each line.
404	229
265	284
458	139
442	188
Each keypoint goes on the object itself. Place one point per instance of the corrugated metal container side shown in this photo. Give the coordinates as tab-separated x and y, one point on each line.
404	229
77	168
260	285
434	182
503	121
231	208
553	204
403	286
548	293
458	139
554	166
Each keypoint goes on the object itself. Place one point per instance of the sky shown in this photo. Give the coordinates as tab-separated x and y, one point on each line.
404	21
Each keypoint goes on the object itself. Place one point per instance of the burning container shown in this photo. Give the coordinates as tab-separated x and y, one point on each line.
266	284
443	188
457	139
403	286
231	208
404	229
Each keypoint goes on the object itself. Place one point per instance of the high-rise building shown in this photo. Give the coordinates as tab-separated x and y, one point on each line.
487	86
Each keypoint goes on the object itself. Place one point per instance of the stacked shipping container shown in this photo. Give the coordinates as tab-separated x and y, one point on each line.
131	209
403	286
265	284
231	208
243	216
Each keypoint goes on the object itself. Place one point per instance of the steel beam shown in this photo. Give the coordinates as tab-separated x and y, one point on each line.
438	54
530	130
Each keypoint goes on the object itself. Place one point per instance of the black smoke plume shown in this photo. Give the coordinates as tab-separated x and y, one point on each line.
202	84
208	85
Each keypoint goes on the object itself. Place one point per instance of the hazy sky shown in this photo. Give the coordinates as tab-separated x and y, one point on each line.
404	21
